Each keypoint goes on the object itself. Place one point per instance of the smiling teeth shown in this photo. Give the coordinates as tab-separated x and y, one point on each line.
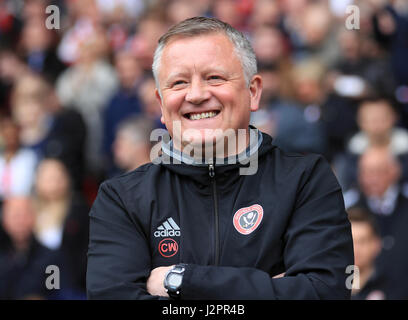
203	115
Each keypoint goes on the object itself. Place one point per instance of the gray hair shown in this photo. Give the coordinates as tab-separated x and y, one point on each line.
201	25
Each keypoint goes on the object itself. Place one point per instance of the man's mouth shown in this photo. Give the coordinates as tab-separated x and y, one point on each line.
201	115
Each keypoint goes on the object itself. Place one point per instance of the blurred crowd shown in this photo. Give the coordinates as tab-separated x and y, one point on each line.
77	106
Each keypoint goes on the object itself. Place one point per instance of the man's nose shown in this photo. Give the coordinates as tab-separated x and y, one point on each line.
197	92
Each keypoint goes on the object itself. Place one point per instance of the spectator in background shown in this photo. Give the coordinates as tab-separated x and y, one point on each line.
39	50
179	10
382	193
132	144
86	22
265	13
269	45
312	33
377	120
391	30
370	285
271	49
117	10
61	220
298	124
229	12
87	87
66	138
124	103
29	112
46	127
10	25
17	164
149	29
11	69
23	260
151	109
361	70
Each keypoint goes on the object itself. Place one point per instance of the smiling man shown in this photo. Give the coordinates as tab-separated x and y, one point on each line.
203	87
196	226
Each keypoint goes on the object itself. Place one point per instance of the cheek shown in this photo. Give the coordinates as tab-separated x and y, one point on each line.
173	102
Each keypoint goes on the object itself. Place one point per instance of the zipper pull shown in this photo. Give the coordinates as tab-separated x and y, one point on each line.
211	170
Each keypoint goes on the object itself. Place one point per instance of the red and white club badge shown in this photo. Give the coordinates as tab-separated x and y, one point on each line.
247	219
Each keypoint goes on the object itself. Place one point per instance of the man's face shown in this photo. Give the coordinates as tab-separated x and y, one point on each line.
203	86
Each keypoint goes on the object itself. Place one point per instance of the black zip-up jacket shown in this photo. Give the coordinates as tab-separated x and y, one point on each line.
235	232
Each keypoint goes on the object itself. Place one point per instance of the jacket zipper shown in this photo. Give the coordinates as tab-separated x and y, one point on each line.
216	222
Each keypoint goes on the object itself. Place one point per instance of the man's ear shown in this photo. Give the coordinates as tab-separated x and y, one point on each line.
255	89
159	100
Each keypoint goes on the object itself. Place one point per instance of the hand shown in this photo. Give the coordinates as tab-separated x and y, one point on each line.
155	282
279	275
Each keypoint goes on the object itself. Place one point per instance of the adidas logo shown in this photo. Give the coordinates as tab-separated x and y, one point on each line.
168	228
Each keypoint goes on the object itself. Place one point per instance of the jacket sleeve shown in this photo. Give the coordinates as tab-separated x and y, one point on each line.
118	254
318	248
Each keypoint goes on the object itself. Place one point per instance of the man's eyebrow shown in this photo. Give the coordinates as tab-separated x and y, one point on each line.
206	71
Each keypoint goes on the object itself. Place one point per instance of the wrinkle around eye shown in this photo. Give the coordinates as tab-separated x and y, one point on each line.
216	80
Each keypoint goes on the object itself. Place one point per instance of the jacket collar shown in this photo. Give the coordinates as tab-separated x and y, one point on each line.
226	170
176	156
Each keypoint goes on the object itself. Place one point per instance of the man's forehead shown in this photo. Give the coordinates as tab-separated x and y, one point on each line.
212	39
212	52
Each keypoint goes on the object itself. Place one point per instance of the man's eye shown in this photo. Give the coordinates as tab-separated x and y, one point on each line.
178	82
215	79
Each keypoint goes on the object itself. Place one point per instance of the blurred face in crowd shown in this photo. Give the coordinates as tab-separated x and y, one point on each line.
10	67
377	171
127	68
202	86
35	36
265	12
129	153
271	84
146	93
28	101
268	44
9	133
366	244
227	11
28	113
180	10
52	181
145	40
34	9
18	219
307	81
376	119
94	48
349	44
315	24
